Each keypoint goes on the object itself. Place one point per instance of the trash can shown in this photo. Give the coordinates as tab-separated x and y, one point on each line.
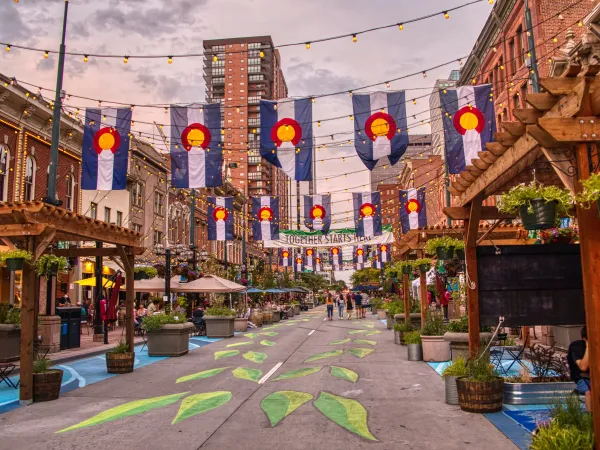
70	327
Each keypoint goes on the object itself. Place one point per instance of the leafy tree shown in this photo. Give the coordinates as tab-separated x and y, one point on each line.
313	281
363	276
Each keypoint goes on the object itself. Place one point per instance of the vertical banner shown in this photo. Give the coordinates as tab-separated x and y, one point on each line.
367	214
265	218
317	212
220	219
413	209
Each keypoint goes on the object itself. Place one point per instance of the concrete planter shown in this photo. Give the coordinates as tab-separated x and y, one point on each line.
171	339
276	316
536	393
415	352
390	321
435	349
459	343
451	390
381	314
296	310
398	337
10	338
220	327
415	319
240	324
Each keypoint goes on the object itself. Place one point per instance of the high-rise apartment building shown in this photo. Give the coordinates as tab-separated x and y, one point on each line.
239	72
437	124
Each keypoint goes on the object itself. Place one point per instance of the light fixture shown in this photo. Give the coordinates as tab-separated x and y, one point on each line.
46	54
313	100
424	74
126	59
8	47
354	38
387	85
170	60
85	58
215	59
446	15
401	26
308	46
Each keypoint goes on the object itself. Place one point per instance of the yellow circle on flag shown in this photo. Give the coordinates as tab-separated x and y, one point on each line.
285	133
469	121
367	210
106	141
265	214
195	137
220	214
380	127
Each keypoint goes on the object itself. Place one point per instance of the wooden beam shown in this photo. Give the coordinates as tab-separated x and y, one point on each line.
515	128
572	129
562	167
544	139
468	177
129	264
462	181
506	138
542	101
423	291
487	157
17	230
124	261
459	187
43	241
10	244
455	192
482	165
474	171
559	86
487	213
496	148
406	295
488	231
472	229
28	332
528	116
500	242
82	252
590	70
19	216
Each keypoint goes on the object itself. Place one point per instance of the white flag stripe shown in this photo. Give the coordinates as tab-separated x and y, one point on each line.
106	158
196	155
471	139
286	153
220	224
413	217
382	145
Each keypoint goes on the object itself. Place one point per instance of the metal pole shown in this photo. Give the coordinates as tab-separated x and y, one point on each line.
98	293
225	258
168	274
193	245
531	44
57	115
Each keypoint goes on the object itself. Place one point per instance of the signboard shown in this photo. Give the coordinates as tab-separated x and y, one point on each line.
341	237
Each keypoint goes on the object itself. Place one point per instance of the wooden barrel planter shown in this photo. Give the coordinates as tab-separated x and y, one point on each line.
120	362
257	318
480	396
46	385
268	317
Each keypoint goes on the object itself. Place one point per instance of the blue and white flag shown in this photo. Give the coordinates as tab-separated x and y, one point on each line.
285	257
286	136
105	149
196	152
413	209
317	212
299	263
265	218
377	264
220	218
360	255
380	126
336	256
318	264
310	255
469	124
383	253
367	214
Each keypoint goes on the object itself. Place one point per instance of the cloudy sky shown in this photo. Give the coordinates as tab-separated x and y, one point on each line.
130	27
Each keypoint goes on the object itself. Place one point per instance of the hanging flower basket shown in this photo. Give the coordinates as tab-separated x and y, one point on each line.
423	268
13	264
543	216
444	252
460	254
140	276
407	270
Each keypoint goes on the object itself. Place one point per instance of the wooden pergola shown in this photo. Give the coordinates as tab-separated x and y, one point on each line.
555	141
35	226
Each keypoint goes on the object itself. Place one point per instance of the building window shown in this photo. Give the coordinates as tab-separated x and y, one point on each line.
70	186
136	227
513	57
137	194
29	180
107	215
253	45
523	95
158	237
93	210
119	218
159	204
521	43
4	160
516	101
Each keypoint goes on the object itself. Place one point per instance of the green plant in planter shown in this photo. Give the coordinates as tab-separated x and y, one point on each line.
434	326
41	365
120	348
220	311
182	302
443	242
150	271
458	368
413	337
480	370
50	265
156	321
423	263
10	316
395	307
15	254
590	192
403	327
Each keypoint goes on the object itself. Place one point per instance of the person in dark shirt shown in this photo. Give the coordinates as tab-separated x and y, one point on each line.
358	304
579	366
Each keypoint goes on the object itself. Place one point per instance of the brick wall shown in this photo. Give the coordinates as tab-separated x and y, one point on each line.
9	137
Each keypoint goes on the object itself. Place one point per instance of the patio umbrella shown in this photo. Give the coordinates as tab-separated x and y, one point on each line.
154	285
92	282
209	284
253	290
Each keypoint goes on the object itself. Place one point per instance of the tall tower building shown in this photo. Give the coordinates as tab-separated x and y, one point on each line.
437	124
239	72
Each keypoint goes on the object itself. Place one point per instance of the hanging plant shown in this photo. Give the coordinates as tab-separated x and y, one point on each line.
14	259
48	265
443	247
423	264
144	272
538	206
591	192
559	236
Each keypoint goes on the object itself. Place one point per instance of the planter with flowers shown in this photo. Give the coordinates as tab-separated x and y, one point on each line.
15	259
590	194
144	272
120	359
538	206
48	265
443	247
423	264
559	236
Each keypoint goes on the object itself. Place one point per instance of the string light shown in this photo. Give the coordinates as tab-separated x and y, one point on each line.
8	47
170	60
85	58
424	74
401	26
354	38
126	59
580	23
446	15
319	123
313	100
387	84
308	46
46	54
215	59
262	54
491	2
414	101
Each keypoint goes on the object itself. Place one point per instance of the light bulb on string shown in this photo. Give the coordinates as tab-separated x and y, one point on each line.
387	84
215	59
308	46
401	26
8	46
46	54
446	15
126	59
85	58
170	60
354	38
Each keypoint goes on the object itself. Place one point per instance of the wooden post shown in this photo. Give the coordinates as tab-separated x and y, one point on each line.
423	288
27	329
472	281
406	281
589	233
130	300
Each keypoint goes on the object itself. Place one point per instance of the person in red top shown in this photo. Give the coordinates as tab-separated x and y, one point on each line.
103	309
445	301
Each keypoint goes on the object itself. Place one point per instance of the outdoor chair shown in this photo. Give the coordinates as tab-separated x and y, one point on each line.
84	323
5	371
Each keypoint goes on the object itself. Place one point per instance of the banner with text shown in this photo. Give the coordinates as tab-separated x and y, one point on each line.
341	237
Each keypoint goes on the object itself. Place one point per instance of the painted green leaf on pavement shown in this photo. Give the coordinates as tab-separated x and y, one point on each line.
246	373
324	355
368	325
226	354
251	335
365	341
360	352
200	375
371	333
357	331
270	333
267	343
346	412
298	373
256	357
200	403
344	374
239	344
127	410
341	341
279	405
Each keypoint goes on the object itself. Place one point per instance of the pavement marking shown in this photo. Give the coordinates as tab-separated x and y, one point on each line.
311	332
270	373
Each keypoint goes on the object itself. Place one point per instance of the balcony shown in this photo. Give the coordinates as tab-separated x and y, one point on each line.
254	160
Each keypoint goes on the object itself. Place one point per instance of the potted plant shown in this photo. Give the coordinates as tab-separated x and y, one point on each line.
458	337
424	264
400	330
435	348
481	389
459	250
391	309
590	192
46	381
14	259
48	265
220	322
537	205
559	236
458	368
120	359
443	247
413	342
144	272
10	333
168	334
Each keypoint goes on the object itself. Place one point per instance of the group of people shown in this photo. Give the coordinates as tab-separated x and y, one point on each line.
347	301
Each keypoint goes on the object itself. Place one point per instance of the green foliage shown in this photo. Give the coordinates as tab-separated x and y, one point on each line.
458	368
546	363
44	263
480	369
442	242
182	302
313	281
377	302
521	195
121	348
220	311
363	276
414	337
10	316
423	261
590	192
41	365
15	254
459	326
434	325
395	307
150	271
156	321
403	327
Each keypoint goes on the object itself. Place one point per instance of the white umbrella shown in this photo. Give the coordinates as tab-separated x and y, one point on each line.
209	284
154	285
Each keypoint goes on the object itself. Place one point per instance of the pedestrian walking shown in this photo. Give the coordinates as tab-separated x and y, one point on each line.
349	305
358	303
341	303
329	306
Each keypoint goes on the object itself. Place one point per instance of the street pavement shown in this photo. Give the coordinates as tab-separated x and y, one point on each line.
393	404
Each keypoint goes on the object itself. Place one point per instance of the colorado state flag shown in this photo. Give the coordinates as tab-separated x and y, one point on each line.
413	210
367	214
383	252
360	256
220	218
286	136
336	257
317	212
265	218
310	256
105	149
285	257
380	126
